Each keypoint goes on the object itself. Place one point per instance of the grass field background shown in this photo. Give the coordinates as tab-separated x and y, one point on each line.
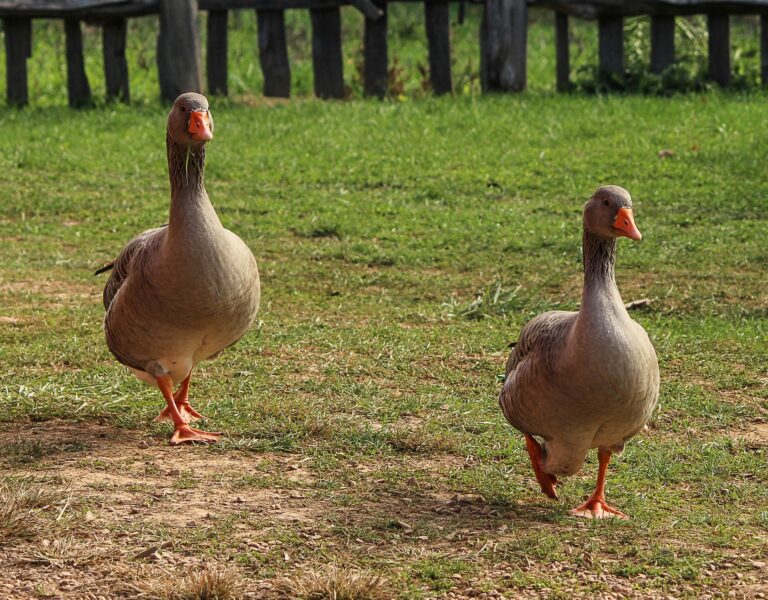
361	419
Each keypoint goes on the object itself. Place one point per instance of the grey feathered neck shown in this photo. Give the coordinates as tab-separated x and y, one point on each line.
599	255
186	165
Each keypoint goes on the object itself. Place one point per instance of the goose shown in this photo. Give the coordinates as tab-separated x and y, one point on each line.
181	293
586	379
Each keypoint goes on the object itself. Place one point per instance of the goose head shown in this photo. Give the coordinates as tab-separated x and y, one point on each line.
190	121
608	214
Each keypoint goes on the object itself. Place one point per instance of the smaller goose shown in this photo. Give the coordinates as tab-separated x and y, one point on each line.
182	293
586	379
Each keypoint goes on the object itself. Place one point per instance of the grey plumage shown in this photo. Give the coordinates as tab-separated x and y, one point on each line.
180	293
586	379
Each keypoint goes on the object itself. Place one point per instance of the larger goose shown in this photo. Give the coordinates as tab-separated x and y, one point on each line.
586	379
182	293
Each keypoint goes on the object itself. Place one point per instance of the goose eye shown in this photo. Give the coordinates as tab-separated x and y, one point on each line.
182	109
606	202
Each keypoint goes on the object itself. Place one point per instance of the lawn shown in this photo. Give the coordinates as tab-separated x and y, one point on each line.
361	418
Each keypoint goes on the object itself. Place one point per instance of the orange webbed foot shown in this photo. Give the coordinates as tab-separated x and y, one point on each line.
546	480
596	508
185	434
165	415
186	411
183	407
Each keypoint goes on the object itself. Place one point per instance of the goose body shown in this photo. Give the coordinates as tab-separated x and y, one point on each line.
182	293
586	379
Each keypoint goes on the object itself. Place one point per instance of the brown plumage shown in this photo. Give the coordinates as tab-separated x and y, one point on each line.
181	293
586	379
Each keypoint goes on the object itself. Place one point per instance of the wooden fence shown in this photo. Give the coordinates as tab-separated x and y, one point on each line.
503	41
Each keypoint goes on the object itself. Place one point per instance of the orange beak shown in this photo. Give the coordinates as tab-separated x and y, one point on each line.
624	223
200	125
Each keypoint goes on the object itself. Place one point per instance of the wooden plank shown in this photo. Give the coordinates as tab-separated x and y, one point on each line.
584	9
216	54
562	53
18	48
437	21
611	45
97	10
764	49
326	52
78	90
504	32
376	63
369	9
178	49
86	12
662	42
590	9
115	65
273	53
719	48
71	5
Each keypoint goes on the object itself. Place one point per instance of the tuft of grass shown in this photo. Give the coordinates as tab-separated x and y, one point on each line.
438	573
15	520
59	552
491	301
322	230
336	583
212	582
418	440
19	497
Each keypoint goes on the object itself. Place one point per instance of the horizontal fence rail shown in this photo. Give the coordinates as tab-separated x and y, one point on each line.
503	41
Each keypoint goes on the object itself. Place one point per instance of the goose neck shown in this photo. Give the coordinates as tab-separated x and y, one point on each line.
186	166
191	211
599	255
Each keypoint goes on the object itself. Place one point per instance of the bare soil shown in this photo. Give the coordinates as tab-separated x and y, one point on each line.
129	510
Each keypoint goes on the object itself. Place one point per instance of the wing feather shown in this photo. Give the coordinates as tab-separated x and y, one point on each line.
121	266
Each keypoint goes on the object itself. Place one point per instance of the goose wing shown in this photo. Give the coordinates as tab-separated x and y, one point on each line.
122	265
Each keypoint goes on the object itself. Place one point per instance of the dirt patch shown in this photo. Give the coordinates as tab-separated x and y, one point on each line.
129	509
124	494
756	435
58	293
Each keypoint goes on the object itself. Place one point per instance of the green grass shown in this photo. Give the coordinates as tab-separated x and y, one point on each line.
375	226
372	222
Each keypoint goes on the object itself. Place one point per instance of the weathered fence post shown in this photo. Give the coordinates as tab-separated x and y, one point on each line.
375	60
437	21
18	48
115	65
562	53
662	42
611	45
503	43
273	53
719	48
326	52
78	90
764	49
178	49
216	55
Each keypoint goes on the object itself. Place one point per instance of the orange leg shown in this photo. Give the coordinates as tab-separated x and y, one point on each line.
546	481
182	432
181	398
596	507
